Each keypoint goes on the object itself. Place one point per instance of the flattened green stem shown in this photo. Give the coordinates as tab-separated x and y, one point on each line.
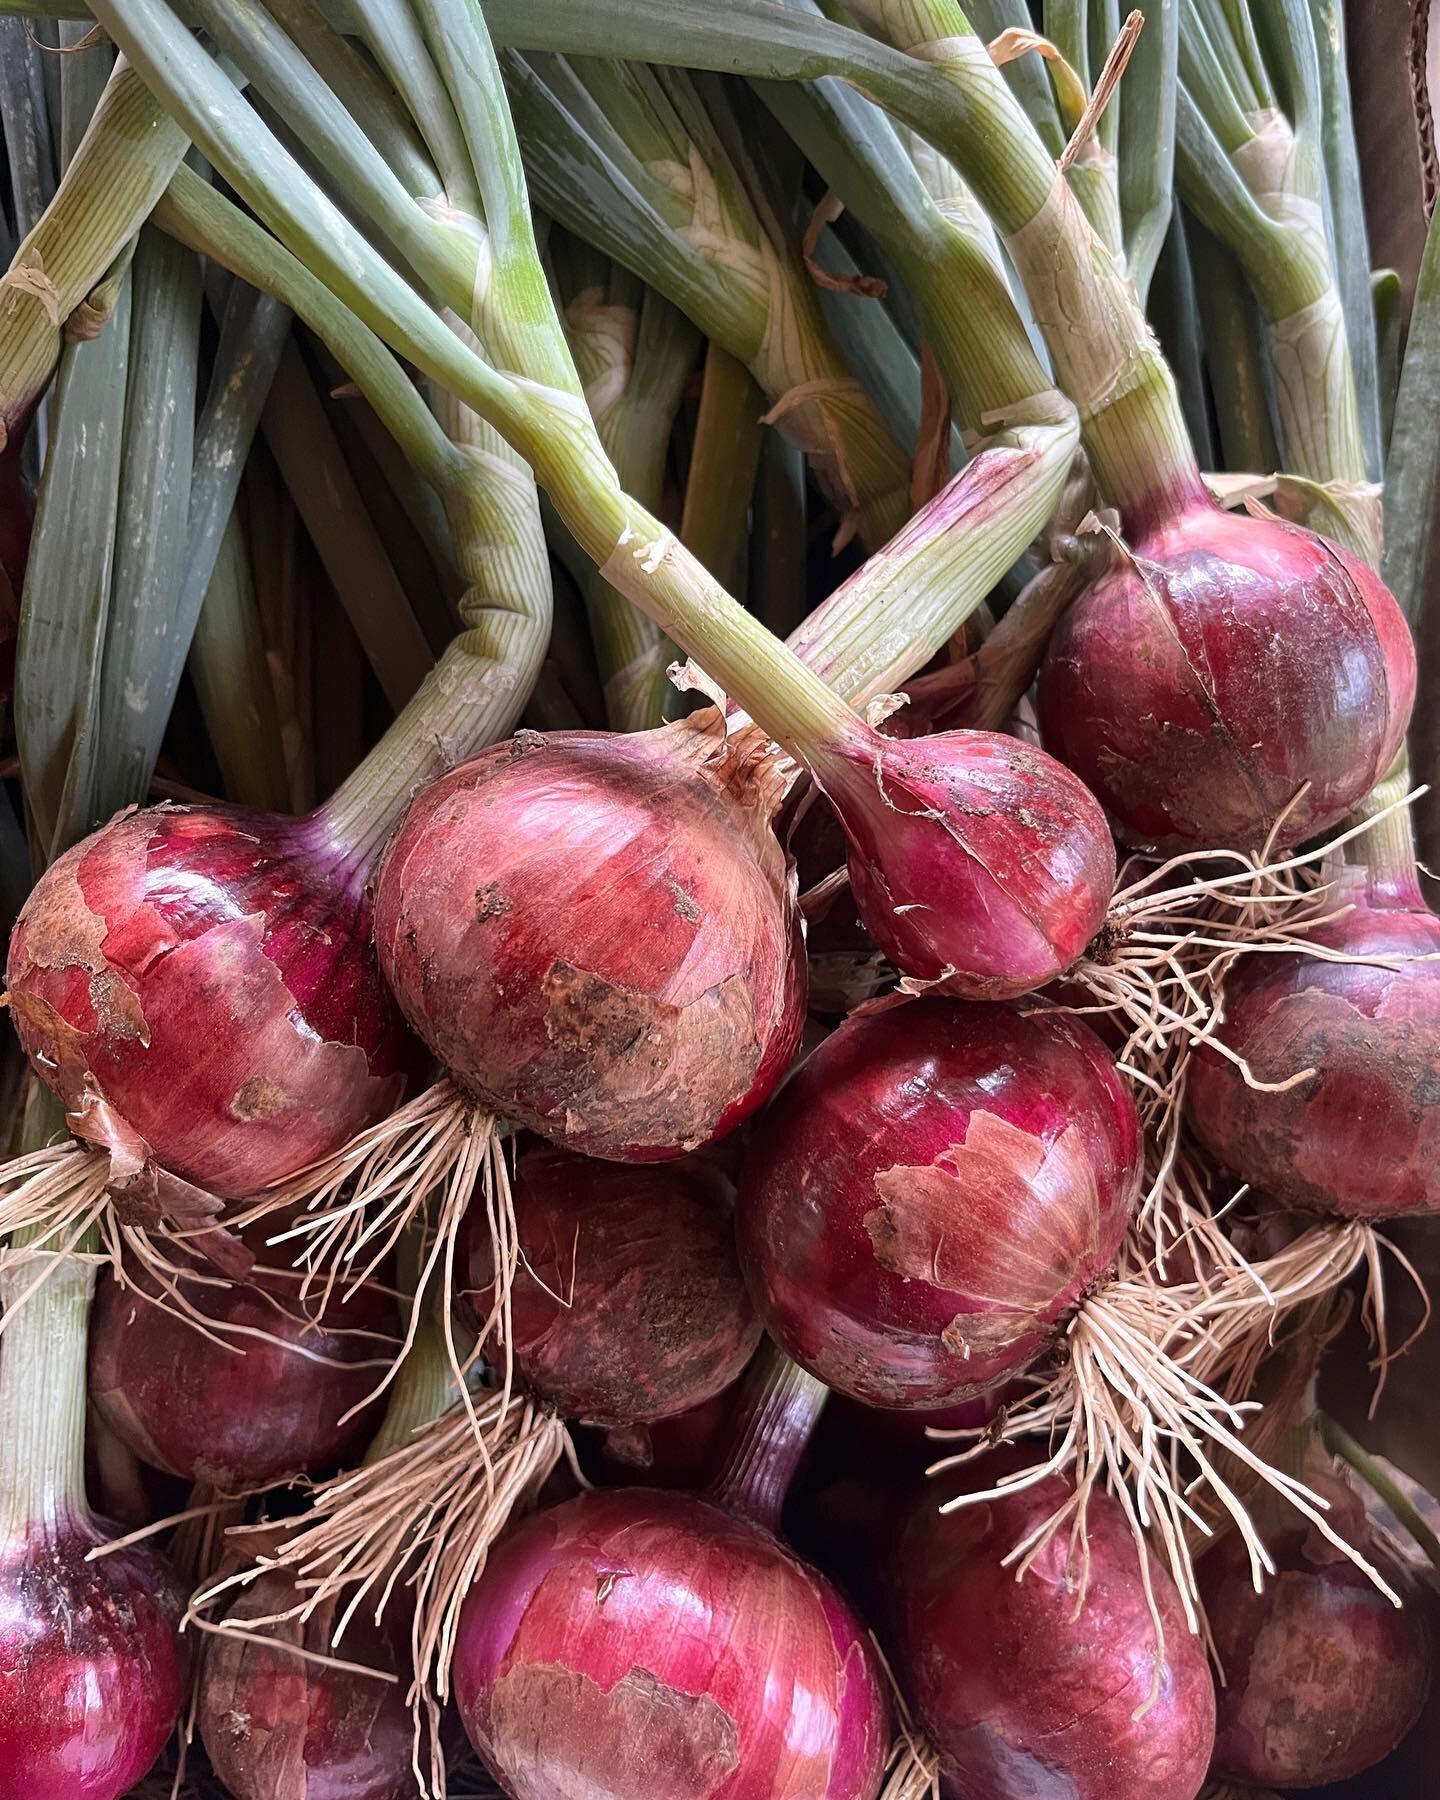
114	179
634	352
724	458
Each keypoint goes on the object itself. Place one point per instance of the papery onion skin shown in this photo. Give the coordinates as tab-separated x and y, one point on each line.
208	973
938	1186
277	1726
1022	1694
597	935
1323	1675
684	1451
1219	667
243	1412
975	860
634	1644
628	1305
1361	1138
93	1670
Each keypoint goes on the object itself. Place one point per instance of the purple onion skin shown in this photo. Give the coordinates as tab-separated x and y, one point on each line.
280	1727
93	1671
975	860
241	1413
628	1305
935	1189
1323	1676
1209	675
1025	1698
597	935
1361	1138
684	1451
634	1644
208	972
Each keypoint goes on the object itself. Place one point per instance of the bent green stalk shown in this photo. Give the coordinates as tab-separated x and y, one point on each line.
119	170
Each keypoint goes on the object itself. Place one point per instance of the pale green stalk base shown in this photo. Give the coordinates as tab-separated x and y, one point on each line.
119	170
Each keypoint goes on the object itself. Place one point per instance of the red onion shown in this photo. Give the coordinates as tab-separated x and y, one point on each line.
628	1305
1361	1137
1048	1685
597	936
93	1671
264	1392
941	1187
975	860
198	987
636	1644
279	1726
680	1452
1223	665
1323	1676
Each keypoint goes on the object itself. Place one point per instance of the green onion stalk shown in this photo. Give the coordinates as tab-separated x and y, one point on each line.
1251	166
634	353
649	166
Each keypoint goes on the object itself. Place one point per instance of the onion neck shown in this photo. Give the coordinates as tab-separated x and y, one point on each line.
43	1394
778	1412
1381	861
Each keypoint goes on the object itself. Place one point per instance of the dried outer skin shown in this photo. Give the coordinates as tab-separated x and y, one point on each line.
1323	1676
631	1644
597	935
1361	1138
933	1191
279	1727
975	860
207	972
628	1305
1026	1698
1219	667
244	1412
93	1670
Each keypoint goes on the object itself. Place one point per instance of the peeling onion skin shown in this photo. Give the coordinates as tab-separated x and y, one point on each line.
1022	1696
93	1670
628	1305
631	1644
597	935
1361	1138
242	1413
279	1727
936	1188
1323	1676
975	860
209	973
1203	680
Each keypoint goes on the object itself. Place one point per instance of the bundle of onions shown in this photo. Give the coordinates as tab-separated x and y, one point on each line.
1081	1679
628	1307
1346	1041
940	1204
263	1392
632	1642
93	1671
198	984
1320	1676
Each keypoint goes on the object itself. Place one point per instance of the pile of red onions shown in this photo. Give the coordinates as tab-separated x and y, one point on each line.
635	1643
1322	1675
1081	1679
940	1188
